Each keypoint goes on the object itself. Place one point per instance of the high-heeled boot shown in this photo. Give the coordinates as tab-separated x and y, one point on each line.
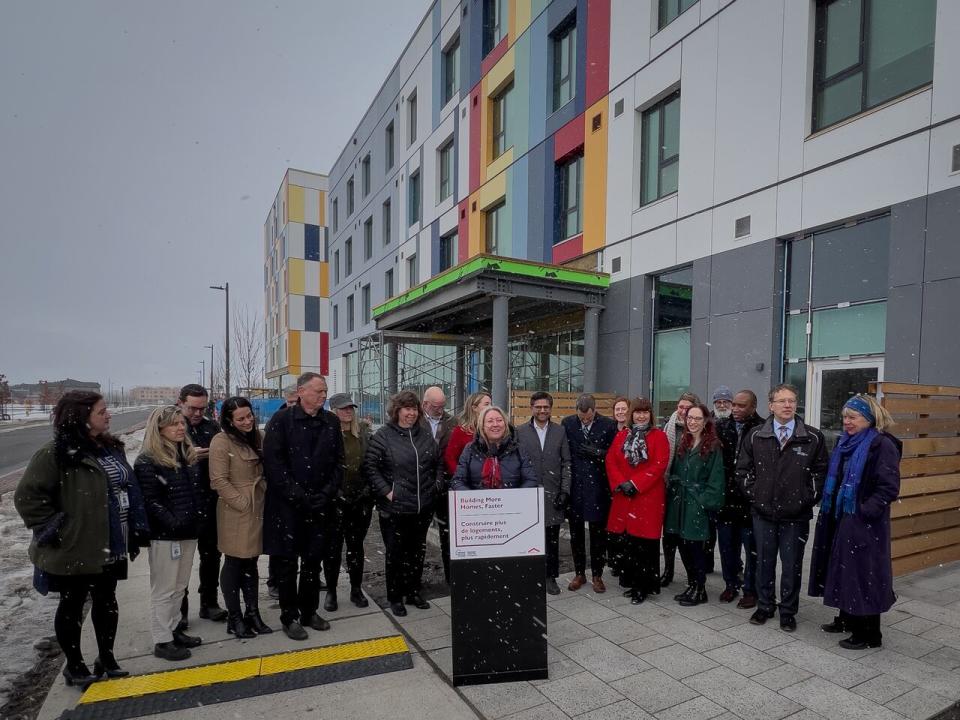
237	626
255	622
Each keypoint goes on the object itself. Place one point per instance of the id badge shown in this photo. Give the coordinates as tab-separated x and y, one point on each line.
124	499
175	550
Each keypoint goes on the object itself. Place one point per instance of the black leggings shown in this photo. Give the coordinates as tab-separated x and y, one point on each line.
67	623
239	575
693	553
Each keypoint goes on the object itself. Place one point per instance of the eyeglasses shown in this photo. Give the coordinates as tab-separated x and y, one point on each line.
693	418
785	401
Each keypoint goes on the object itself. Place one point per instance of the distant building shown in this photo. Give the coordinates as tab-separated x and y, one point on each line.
154	395
295	279
48	392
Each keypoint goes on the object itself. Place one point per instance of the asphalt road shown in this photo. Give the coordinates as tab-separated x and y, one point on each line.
17	444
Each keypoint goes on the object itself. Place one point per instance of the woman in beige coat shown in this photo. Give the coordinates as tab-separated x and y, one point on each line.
236	473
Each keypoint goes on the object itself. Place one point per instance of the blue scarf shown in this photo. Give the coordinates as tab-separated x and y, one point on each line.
852	450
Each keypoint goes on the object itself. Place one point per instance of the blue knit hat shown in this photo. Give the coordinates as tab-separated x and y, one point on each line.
723	393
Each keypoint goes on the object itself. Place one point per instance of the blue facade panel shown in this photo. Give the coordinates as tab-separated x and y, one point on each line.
434	247
519	193
311	242
311	313
539	170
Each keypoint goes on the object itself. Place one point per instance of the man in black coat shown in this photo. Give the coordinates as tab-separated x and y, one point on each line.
734	525
440	424
193	403
781	469
303	461
589	436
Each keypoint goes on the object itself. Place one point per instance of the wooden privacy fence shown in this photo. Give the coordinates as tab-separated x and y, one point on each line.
925	523
564	403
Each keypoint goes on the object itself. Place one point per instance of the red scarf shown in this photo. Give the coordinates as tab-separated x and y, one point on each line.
491	474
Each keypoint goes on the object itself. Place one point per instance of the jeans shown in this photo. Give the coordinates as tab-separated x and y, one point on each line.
350	530
788	539
598	546
298	601
553	550
405	542
732	537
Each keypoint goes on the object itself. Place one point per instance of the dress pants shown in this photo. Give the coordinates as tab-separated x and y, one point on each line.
298	600
553	550
405	540
598	547
788	539
738	555
168	580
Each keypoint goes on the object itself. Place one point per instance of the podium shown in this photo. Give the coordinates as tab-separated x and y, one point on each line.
497	586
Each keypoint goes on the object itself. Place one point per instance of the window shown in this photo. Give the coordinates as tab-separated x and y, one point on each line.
564	43
336	267
670	10
672	317
350	196
500	142
448	251
348	257
446	171
660	151
412	118
365	176
336	215
386	222
868	52
336	321
493	23
493	227
413	272
451	70
413	199
365	303
388	290
570	198
368	238
388	146
350	320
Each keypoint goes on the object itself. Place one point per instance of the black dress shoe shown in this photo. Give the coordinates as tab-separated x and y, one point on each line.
837	626
398	609
107	665
697	597
417	601
170	651
78	676
686	593
255	622
185	641
213	612
854	643
317	622
330	601
295	631
788	624
759	617
637	597
357	598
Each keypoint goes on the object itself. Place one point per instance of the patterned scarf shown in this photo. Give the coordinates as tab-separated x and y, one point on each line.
490	473
635	445
852	451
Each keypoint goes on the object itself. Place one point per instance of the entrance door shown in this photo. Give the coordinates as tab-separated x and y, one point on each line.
830	384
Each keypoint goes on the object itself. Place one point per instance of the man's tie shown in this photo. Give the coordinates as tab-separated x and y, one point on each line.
784	435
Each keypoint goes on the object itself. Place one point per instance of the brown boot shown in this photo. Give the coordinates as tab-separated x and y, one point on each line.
578	582
598	586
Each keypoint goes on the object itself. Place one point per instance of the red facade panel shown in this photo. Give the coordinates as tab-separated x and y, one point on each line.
568	138
598	50
568	249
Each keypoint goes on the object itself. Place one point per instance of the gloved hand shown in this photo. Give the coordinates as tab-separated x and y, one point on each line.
627	488
591	451
561	500
315	502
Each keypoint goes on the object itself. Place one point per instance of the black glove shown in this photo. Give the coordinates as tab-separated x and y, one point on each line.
561	500
589	450
315	502
627	488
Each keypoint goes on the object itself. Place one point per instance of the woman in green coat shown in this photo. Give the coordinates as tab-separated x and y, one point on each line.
695	489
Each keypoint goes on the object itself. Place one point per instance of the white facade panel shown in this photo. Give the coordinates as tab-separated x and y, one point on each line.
789	207
694	236
294	243
698	110
946	94
621	250
654	214
295	312
796	86
657	79
654	251
675	31
748	97
881	177
309	350
630	30
311	206
622	188
942	140
448	221
311	277
762	209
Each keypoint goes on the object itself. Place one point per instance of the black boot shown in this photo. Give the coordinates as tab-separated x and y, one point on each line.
637	596
697	597
78	676
686	593
837	626
106	664
667	577
255	622
357	597
237	626
330	601
213	612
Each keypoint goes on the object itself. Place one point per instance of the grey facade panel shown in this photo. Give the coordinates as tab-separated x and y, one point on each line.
614	362
939	341
942	249
744	278
739	344
908	222
616	318
700	352
702	290
902	359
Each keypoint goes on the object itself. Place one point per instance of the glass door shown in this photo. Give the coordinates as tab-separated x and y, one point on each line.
830	383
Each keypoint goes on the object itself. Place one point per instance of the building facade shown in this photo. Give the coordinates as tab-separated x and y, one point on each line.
771	185
295	279
154	395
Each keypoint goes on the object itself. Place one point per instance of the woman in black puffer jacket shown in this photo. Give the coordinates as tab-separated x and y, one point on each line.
167	471
402	465
493	460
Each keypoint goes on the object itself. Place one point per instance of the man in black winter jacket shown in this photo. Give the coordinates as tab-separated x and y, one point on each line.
303	461
781	470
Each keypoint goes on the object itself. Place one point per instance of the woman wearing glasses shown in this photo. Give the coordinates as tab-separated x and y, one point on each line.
695	488
851	567
167	471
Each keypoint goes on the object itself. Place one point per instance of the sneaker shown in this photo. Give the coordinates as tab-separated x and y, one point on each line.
295	631
853	643
833	627
552	587
417	601
170	651
357	598
760	617
317	622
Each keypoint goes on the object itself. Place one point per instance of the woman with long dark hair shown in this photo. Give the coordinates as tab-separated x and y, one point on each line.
695	489
236	473
82	501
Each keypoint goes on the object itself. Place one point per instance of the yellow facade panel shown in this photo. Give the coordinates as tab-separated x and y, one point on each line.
520	18
496	167
494	189
295	203
324	279
595	177
293	351
323	207
295	276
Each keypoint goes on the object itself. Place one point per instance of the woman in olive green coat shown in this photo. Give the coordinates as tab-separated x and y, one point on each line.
695	489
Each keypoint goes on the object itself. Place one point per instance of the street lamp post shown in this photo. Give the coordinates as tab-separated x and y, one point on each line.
226	339
203	371
210	348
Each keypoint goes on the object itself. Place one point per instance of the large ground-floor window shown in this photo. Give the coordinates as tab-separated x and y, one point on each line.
672	318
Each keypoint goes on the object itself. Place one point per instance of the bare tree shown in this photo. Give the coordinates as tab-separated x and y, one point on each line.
248	346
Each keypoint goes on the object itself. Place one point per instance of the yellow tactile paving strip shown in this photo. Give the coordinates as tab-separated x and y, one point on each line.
234	670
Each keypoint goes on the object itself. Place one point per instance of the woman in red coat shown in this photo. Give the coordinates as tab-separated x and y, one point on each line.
636	464
464	431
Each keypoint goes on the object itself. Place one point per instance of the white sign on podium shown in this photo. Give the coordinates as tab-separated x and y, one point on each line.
496	523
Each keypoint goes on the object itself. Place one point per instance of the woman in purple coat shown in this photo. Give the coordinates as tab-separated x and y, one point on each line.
851	567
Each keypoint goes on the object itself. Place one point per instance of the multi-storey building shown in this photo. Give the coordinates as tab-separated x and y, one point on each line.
771	187
296	305
154	395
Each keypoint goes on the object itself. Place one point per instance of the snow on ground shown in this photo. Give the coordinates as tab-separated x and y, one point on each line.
25	615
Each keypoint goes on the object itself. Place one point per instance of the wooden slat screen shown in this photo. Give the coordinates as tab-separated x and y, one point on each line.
925	522
564	403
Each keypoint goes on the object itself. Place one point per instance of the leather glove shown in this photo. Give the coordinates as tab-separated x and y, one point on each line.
561	500
315	502
589	450
627	488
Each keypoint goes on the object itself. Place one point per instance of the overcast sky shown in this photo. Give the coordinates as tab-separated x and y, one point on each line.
141	145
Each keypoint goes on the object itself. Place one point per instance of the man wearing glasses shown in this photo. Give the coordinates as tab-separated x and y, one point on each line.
781	469
193	403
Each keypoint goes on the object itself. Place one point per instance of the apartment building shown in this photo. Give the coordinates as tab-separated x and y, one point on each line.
768	188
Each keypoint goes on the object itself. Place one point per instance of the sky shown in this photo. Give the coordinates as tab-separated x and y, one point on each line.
141	147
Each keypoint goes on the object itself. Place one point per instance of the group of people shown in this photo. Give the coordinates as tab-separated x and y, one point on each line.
309	485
